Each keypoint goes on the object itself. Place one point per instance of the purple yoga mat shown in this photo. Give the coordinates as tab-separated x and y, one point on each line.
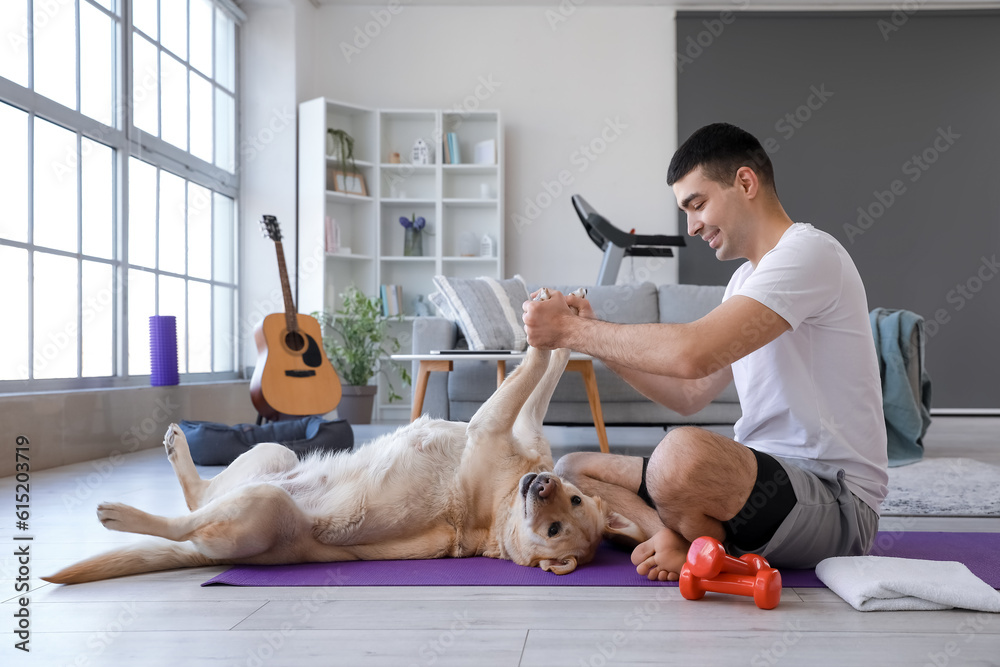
610	567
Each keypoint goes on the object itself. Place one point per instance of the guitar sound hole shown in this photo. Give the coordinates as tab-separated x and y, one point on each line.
294	341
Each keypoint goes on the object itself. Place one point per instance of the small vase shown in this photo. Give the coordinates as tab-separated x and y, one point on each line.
413	243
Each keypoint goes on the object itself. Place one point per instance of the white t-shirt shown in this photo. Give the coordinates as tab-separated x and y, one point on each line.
814	393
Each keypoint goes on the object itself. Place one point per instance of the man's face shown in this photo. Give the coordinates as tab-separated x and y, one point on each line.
714	212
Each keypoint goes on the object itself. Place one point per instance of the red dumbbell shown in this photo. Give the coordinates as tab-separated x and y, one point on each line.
751	577
708	558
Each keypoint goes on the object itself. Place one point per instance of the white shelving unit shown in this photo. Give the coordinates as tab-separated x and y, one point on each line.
457	200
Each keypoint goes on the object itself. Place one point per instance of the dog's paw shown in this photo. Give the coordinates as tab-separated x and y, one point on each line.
544	295
580	293
174	441
118	516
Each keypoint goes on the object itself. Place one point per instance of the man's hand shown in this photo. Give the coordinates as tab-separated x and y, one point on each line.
581	305
547	322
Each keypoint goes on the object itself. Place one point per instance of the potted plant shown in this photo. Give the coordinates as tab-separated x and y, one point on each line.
340	146
358	343
413	239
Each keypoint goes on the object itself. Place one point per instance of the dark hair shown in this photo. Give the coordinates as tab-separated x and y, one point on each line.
720	149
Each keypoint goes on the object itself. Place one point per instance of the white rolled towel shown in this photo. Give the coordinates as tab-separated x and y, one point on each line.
879	583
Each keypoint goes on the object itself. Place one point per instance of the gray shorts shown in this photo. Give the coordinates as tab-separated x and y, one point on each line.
827	520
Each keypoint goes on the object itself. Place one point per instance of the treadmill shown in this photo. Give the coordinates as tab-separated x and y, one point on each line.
618	244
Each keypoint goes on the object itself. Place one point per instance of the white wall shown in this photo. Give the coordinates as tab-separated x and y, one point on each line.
276	60
601	81
560	85
557	89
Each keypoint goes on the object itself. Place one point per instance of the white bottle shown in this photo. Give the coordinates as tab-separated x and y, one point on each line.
487	247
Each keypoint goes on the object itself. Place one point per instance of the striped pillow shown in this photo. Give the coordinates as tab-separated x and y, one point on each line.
488	310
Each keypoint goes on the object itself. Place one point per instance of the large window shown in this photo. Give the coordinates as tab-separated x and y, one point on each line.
118	131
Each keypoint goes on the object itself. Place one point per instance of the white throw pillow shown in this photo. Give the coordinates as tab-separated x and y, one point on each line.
488	311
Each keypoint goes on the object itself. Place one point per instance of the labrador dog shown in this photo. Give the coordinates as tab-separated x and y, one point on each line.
432	489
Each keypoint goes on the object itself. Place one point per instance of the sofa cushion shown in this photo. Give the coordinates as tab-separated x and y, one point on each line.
488	311
622	304
476	381
687	303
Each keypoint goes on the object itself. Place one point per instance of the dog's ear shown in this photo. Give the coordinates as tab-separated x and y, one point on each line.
559	566
617	527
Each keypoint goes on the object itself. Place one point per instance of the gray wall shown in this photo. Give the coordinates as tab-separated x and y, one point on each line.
843	104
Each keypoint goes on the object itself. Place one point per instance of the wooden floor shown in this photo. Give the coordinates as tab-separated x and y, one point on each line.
167	618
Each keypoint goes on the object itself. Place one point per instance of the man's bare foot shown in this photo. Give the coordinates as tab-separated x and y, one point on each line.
661	557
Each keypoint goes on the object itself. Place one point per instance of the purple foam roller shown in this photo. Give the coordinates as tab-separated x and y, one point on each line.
163	350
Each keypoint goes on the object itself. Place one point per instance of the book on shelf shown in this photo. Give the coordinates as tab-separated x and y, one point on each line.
332	235
446	149
392	300
456	157
485	152
397	299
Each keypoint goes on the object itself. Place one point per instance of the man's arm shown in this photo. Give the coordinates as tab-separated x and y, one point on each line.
691	351
685	397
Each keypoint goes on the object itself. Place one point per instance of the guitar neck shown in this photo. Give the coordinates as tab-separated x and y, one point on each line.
291	321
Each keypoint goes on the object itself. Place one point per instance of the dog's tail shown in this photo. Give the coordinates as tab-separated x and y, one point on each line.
150	556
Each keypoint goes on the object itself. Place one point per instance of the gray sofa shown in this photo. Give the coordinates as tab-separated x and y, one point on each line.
458	394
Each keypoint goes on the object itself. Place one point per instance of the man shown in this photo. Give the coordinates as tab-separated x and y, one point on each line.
805	476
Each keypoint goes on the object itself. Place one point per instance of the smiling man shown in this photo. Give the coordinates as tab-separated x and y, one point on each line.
805	476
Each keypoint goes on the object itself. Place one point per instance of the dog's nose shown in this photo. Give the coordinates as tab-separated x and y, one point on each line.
545	486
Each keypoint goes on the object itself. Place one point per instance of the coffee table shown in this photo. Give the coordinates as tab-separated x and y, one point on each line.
445	362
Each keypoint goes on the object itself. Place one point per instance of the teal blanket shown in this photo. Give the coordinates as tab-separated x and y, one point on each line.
899	341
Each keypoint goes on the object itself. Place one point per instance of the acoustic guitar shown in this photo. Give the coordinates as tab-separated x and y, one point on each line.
293	375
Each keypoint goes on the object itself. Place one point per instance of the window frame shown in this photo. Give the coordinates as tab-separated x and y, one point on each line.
127	141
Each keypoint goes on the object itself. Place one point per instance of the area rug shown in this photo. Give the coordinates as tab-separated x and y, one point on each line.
610	567
944	487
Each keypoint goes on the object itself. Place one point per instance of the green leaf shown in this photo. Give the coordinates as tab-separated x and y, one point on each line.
357	340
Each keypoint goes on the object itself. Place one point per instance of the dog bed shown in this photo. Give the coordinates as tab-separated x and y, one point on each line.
215	444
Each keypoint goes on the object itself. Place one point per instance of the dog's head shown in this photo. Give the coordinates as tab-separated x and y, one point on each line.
556	526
